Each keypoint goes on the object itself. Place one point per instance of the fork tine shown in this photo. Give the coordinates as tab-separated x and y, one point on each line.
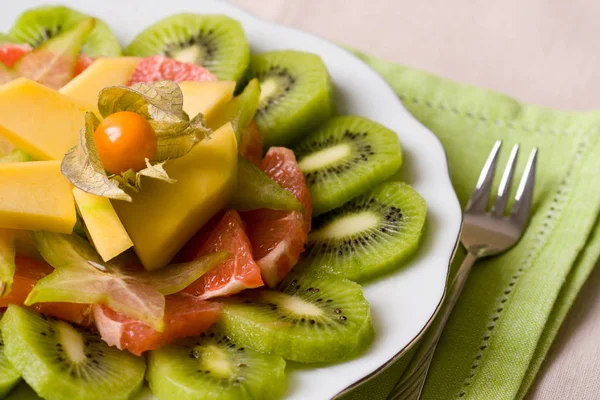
524	197
504	189
481	194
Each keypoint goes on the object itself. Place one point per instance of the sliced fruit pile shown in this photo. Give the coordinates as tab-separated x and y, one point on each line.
222	258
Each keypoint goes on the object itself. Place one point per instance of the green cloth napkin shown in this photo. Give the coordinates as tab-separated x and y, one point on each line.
512	305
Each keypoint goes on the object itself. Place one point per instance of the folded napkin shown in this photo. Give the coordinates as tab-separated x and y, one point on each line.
512	305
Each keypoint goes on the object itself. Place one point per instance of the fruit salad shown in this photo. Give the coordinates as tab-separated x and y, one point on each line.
181	214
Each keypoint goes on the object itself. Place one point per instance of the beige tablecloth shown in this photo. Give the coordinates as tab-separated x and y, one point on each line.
544	52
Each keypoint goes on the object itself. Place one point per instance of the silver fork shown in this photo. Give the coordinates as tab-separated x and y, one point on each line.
484	233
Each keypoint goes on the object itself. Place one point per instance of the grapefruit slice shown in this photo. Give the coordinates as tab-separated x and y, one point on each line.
184	316
28	271
10	53
160	68
83	61
251	144
278	237
237	272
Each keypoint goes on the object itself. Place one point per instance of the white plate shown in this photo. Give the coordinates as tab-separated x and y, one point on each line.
402	303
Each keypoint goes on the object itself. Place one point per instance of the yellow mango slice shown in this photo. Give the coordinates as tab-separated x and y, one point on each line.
55	129
109	71
39	120
36	196
163	216
205	97
102	224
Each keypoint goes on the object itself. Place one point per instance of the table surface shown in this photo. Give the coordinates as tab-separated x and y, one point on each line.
543	52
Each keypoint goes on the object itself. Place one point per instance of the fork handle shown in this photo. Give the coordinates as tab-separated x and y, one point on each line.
411	384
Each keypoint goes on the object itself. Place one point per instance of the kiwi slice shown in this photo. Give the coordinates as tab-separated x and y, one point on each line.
305	319
39	24
212	366
216	42
295	95
61	362
22	392
9	376
346	157
367	236
4	38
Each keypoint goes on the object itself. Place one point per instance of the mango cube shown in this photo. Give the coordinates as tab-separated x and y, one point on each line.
205	97
109	71
163	216
103	225
39	120
36	196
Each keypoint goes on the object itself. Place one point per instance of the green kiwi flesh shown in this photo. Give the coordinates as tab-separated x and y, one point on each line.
346	157
39	24
22	392
304	319
4	38
295	97
9	376
216	42
213	367
256	190
368	236
61	362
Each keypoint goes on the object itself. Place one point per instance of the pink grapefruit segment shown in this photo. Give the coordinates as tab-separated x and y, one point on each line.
184	316
278	237
231	276
251	144
83	61
28	271
160	68
10	53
